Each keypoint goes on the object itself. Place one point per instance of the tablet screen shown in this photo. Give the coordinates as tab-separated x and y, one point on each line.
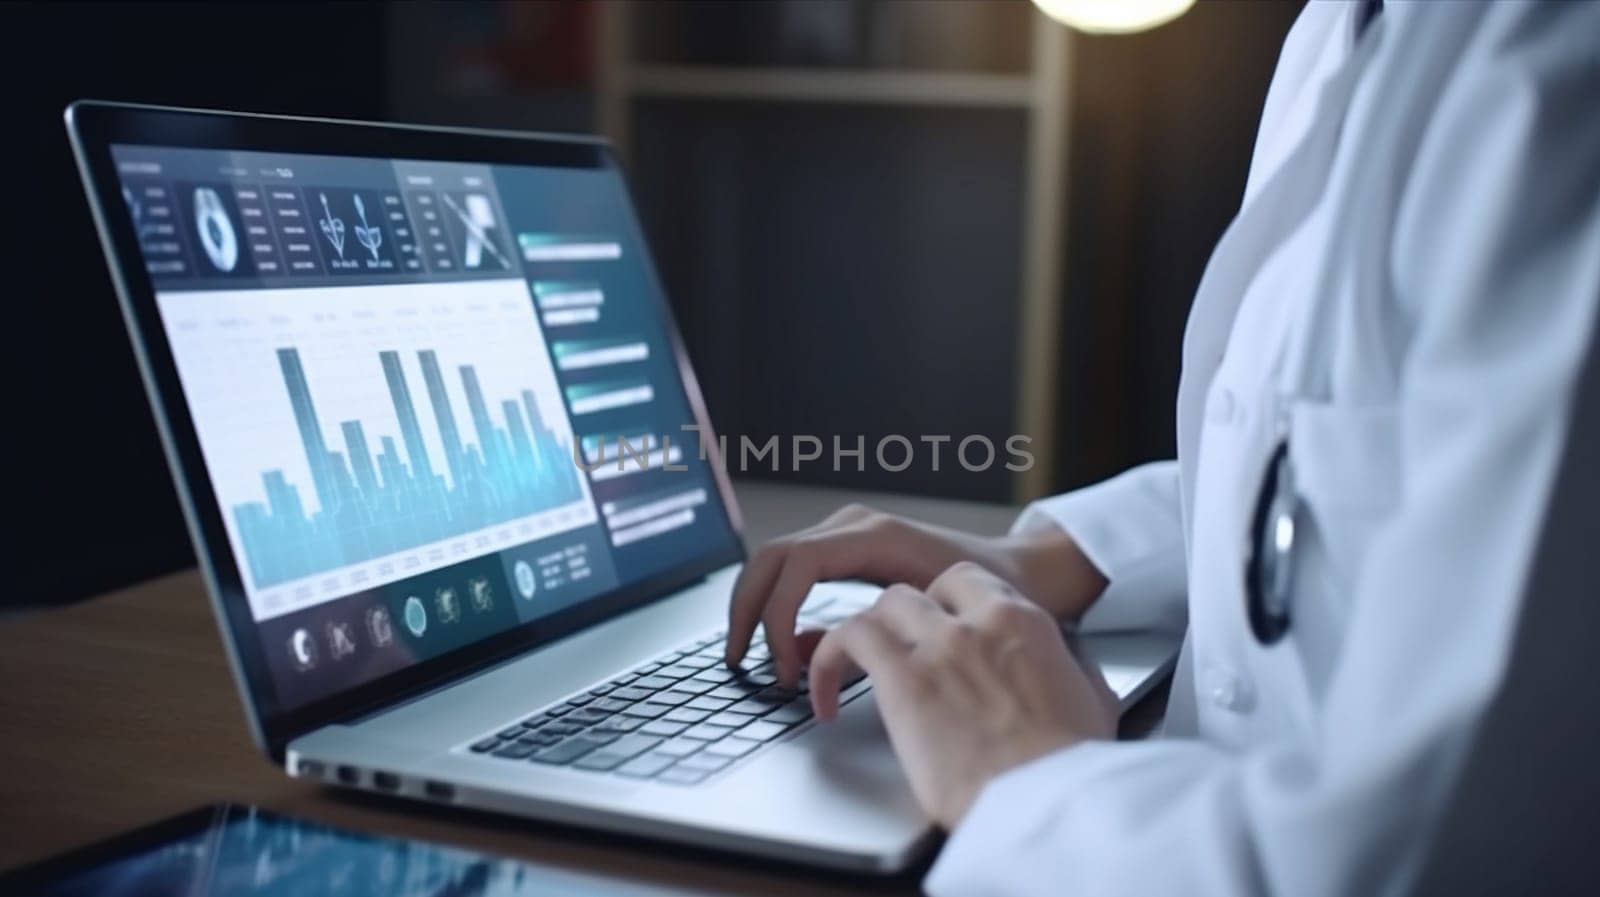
229	851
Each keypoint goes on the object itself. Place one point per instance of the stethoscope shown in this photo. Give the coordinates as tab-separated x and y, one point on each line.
1279	511
1269	564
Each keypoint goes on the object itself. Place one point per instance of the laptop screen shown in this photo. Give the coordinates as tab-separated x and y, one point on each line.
435	400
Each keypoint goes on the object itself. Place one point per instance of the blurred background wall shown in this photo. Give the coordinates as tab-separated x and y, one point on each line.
838	193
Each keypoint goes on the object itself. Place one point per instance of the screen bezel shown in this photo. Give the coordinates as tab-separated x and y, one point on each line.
93	128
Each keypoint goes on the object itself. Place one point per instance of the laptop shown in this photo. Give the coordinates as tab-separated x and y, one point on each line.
425	406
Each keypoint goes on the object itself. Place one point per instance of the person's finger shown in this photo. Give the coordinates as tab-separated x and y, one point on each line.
805	642
863	641
836	554
911	615
755	582
966	589
750	592
803	566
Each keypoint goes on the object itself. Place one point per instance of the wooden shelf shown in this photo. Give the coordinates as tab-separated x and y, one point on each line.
1040	94
862	86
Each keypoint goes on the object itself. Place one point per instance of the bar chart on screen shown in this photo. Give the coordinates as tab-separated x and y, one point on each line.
359	435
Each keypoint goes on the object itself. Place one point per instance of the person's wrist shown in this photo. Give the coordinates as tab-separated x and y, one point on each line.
1050	568
1013	757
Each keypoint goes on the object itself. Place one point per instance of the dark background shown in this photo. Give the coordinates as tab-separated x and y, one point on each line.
781	331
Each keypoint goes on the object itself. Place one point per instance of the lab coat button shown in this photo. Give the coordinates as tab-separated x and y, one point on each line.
1227	690
1222	407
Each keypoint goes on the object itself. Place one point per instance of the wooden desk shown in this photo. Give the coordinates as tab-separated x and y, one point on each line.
122	709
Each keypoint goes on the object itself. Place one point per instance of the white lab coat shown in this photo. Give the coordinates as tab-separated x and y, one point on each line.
1408	292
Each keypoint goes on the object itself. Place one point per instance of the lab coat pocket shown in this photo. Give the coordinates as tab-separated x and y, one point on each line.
1347	470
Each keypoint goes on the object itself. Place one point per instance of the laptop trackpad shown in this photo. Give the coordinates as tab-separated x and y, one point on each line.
850	761
853	751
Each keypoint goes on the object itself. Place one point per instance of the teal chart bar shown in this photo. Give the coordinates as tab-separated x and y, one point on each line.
371	506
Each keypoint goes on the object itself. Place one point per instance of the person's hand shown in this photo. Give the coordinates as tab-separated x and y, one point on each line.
860	543
971	680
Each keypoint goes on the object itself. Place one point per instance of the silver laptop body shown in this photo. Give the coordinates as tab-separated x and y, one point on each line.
824	794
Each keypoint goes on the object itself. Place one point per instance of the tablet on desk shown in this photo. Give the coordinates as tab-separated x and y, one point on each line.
229	850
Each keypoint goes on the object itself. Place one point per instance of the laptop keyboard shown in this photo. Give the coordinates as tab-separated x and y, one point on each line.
679	719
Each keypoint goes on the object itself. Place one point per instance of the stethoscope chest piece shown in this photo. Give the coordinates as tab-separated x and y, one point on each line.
1269	565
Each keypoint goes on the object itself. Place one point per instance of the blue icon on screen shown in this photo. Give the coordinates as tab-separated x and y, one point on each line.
526	584
367	235
332	227
416	616
217	236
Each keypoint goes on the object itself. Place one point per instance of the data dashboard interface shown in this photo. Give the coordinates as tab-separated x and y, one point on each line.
435	400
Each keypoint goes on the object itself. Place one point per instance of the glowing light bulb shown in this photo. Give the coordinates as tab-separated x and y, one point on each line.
1113	16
